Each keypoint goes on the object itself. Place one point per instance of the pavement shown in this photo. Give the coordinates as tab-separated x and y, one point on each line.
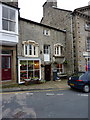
58	84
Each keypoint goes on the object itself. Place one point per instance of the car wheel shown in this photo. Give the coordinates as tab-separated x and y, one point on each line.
86	88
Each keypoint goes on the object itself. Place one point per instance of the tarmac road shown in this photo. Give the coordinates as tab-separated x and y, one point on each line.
53	103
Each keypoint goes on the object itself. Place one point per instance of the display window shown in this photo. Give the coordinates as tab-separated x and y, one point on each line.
29	69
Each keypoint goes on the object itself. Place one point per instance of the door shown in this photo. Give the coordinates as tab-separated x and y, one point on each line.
6	68
47	72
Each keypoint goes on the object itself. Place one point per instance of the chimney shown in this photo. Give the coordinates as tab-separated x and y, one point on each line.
50	3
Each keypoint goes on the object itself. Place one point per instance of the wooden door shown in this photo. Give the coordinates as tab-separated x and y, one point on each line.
6	68
47	72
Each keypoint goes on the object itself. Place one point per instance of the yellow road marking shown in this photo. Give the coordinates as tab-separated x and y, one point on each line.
14	92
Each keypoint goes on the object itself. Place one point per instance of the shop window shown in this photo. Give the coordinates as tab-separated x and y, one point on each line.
29	69
8	19
60	68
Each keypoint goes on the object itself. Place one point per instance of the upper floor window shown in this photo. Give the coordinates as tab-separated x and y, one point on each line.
58	49
87	26
46	32
46	49
30	48
88	44
8	19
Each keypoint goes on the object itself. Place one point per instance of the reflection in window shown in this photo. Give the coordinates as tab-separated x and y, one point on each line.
36	64
8	19
59	68
23	65
6	61
30	49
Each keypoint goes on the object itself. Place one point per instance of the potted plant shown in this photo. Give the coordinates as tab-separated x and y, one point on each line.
65	62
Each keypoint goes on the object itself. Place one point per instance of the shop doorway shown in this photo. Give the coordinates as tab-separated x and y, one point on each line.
6	67
47	72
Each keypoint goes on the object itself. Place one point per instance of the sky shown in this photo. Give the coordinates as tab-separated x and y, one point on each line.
33	10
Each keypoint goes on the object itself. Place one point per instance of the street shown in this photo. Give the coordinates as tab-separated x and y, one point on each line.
53	103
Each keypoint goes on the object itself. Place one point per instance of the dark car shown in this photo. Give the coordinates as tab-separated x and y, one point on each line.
80	80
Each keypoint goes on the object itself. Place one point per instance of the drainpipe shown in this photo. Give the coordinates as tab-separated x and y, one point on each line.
72	43
16	64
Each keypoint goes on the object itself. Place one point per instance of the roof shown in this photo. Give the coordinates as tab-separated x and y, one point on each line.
9	5
61	9
80	14
83	8
40	24
79	11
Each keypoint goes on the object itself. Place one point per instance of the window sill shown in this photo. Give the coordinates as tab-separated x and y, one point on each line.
8	32
30	56
87	29
58	56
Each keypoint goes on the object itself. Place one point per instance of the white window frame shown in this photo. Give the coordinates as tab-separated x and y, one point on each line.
46	49
57	49
28	59
34	49
8	19
46	32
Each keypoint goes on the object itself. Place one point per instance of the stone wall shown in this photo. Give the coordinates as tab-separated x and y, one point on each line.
29	30
80	41
61	19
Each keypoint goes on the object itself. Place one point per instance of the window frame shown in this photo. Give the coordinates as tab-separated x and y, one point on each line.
60	68
87	26
31	52
58	49
46	49
46	32
27	69
8	19
88	44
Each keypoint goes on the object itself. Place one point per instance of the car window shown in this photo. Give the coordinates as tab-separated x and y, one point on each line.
88	76
77	74
84	76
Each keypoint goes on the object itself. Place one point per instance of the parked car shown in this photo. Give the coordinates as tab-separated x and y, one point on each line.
80	80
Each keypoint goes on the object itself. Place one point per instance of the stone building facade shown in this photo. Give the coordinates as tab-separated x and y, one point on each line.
77	26
60	42
60	19
81	37
41	49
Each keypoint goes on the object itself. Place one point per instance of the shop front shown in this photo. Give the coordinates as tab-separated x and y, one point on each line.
28	69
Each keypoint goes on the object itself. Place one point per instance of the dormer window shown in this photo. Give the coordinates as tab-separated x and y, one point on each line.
8	19
30	48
